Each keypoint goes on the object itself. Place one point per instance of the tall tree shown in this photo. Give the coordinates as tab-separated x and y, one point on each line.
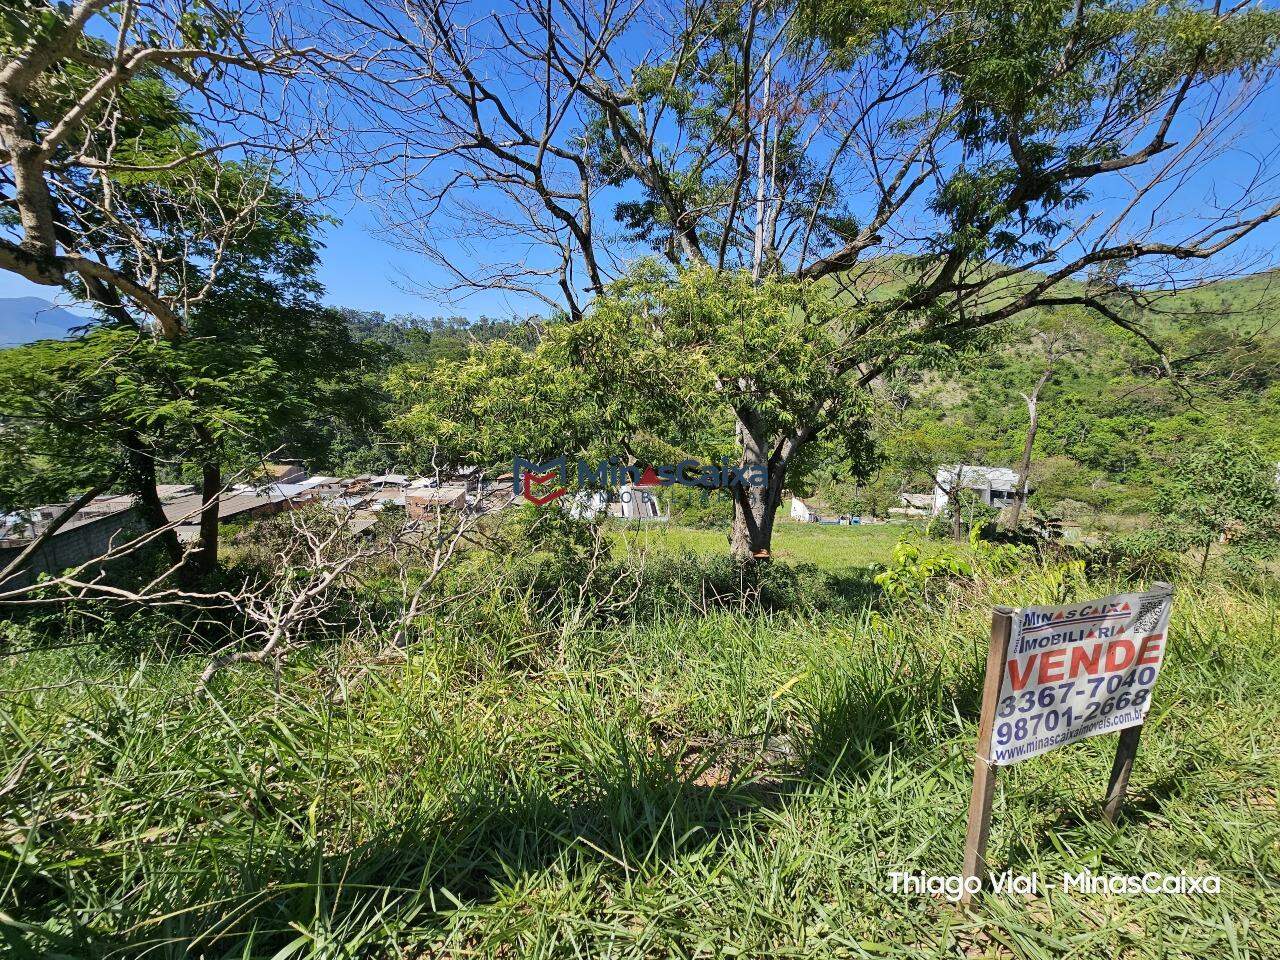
934	168
143	148
1056	339
101	96
117	404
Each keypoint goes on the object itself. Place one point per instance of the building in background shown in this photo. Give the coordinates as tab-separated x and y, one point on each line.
84	538
995	486
913	505
802	512
425	503
637	502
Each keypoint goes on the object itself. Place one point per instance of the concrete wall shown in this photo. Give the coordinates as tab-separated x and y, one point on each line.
74	545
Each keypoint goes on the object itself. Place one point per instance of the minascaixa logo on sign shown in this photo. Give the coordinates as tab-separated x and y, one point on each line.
549	480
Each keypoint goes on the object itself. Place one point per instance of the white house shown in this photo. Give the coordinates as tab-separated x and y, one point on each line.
801	511
996	486
629	503
637	503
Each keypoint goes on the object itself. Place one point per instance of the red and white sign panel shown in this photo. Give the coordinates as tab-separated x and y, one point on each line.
1079	671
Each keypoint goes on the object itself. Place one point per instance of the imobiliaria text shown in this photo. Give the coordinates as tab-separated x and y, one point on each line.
543	482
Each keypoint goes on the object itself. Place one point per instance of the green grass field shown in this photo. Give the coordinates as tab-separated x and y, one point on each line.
734	784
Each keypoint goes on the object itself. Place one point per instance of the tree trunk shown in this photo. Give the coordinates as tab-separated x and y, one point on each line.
1014	515
1024	467
31	197
142	481
755	508
210	488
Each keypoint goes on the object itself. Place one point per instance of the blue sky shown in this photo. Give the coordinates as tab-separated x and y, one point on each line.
359	270
362	269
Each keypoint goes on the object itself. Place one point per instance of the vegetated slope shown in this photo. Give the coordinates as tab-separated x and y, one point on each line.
1247	306
421	339
1111	419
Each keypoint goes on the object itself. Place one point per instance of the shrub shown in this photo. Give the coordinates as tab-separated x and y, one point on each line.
1222	494
1141	556
558	567
910	575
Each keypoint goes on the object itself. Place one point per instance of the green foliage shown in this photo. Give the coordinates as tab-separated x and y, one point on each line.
1225	492
657	368
691	344
498	403
643	770
1067	580
261	375
1029	76
415	339
1141	556
552	566
696	507
965	515
72	407
911	574
1111	422
259	365
993	558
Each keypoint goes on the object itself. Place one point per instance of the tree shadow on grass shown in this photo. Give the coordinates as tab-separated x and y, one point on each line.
617	822
1142	802
625	811
493	844
853	590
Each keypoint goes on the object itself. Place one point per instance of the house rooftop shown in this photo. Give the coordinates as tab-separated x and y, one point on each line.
187	509
445	493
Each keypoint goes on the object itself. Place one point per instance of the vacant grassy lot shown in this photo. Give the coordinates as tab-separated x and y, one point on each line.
830	547
723	785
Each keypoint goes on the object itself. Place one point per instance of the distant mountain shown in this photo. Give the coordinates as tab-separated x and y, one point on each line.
26	319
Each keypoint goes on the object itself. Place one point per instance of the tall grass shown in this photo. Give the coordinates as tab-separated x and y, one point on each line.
691	783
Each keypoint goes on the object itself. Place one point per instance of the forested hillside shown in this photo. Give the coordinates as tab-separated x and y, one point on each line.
1113	415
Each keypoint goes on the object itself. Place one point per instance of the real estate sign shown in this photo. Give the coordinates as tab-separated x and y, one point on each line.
1078	671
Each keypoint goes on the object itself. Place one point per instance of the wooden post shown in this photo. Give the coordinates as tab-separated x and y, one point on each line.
984	771
1126	750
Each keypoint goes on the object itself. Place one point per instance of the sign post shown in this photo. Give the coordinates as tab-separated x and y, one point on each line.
984	771
1056	675
1126	751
